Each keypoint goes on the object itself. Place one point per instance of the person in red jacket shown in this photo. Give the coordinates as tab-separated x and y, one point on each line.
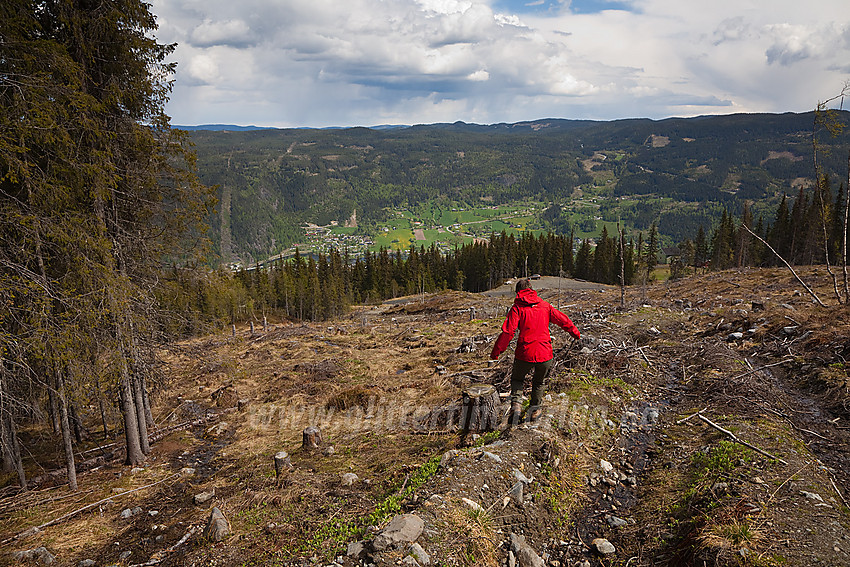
532	316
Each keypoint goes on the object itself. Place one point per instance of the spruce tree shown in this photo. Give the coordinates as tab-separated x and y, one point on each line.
97	192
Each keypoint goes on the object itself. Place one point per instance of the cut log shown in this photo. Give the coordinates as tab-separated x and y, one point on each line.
311	438
480	408
282	464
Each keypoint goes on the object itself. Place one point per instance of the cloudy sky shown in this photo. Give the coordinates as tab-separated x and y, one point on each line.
290	63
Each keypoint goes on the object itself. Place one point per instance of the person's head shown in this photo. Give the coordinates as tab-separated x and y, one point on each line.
522	284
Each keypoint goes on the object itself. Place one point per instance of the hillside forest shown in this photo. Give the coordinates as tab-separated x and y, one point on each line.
581	176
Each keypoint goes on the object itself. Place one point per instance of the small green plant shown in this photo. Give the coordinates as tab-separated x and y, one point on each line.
488	438
721	459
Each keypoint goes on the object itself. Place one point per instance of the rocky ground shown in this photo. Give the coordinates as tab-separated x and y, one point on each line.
702	422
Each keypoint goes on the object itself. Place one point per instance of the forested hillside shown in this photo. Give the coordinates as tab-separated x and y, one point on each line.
679	173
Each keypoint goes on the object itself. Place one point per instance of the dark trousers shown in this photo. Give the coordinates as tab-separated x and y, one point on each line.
538	389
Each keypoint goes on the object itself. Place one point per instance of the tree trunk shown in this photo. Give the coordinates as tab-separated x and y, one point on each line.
11	447
80	432
135	455
66	431
146	402
53	411
102	408
138	399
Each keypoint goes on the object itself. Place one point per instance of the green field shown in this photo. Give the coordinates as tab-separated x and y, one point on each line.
456	224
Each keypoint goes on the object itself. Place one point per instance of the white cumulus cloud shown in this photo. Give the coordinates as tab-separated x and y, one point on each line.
326	62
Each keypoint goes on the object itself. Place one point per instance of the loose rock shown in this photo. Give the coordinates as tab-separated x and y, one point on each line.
524	553
521	477
491	456
419	554
603	546
516	492
204	497
615	522
354	549
349	479
130	512
403	528
218	527
39	555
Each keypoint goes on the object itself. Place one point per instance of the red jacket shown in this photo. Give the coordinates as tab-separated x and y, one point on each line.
532	316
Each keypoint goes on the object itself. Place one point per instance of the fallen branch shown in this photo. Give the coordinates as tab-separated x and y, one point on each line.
683	420
73	513
832	482
640	350
760	368
734	438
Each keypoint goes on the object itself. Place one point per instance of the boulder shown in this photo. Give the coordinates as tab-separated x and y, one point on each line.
403	528
218	527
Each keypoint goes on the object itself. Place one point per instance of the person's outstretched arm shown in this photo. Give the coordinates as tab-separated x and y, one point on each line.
564	322
508	329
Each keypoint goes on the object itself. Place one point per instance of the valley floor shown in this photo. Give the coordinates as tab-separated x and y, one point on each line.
703	422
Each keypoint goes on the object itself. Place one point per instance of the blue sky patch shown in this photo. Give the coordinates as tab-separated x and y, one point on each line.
576	6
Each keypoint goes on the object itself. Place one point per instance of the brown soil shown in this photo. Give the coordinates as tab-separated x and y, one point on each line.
687	493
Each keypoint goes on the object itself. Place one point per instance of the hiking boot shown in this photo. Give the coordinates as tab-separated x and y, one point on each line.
535	414
515	415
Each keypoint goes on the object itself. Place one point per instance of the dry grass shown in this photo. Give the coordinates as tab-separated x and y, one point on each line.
469	535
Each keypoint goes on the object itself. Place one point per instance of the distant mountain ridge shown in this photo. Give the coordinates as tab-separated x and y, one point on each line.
249	128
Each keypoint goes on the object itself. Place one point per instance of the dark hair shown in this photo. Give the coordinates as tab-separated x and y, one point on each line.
523	284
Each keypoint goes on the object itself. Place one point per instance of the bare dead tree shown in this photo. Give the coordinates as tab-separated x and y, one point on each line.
778	255
844	232
824	120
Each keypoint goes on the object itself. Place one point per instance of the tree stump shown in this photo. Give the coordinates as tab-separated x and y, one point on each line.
480	412
282	464
311	438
